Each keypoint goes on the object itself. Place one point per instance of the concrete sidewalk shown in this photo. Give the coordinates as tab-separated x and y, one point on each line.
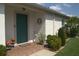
44	52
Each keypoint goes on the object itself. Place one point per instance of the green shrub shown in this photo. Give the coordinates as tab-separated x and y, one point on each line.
2	50
73	32
49	38
63	35
78	30
54	42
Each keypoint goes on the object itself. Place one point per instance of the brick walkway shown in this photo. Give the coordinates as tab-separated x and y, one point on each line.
24	50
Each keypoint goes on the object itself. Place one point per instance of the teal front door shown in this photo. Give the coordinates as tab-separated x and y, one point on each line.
21	27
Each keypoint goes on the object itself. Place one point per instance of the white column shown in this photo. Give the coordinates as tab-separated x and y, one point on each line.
2	24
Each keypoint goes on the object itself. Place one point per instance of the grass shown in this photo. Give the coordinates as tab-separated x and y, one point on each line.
71	48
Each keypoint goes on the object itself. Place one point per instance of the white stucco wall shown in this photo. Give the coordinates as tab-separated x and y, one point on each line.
57	24
2	24
52	24
49	24
33	26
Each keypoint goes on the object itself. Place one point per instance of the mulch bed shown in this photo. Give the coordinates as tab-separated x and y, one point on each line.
24	50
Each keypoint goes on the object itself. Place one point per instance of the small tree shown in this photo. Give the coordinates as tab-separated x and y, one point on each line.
73	24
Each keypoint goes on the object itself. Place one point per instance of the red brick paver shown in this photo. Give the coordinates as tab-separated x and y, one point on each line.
24	50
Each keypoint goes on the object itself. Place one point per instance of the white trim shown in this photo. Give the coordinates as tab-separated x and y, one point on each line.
2	24
16	24
30	41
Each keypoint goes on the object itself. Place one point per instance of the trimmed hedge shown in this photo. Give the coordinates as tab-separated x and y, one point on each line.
2	50
63	35
54	42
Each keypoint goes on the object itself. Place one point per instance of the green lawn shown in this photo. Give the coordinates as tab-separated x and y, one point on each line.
71	49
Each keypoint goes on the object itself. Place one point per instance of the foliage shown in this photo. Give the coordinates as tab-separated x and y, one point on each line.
2	50
41	38
54	42
49	38
73	32
10	44
63	35
78	30
73	24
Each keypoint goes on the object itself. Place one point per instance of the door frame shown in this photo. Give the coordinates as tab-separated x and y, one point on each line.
16	29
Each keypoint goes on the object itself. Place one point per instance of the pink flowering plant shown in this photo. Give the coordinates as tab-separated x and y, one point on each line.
10	43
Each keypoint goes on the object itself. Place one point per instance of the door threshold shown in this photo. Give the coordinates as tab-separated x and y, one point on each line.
20	44
16	44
